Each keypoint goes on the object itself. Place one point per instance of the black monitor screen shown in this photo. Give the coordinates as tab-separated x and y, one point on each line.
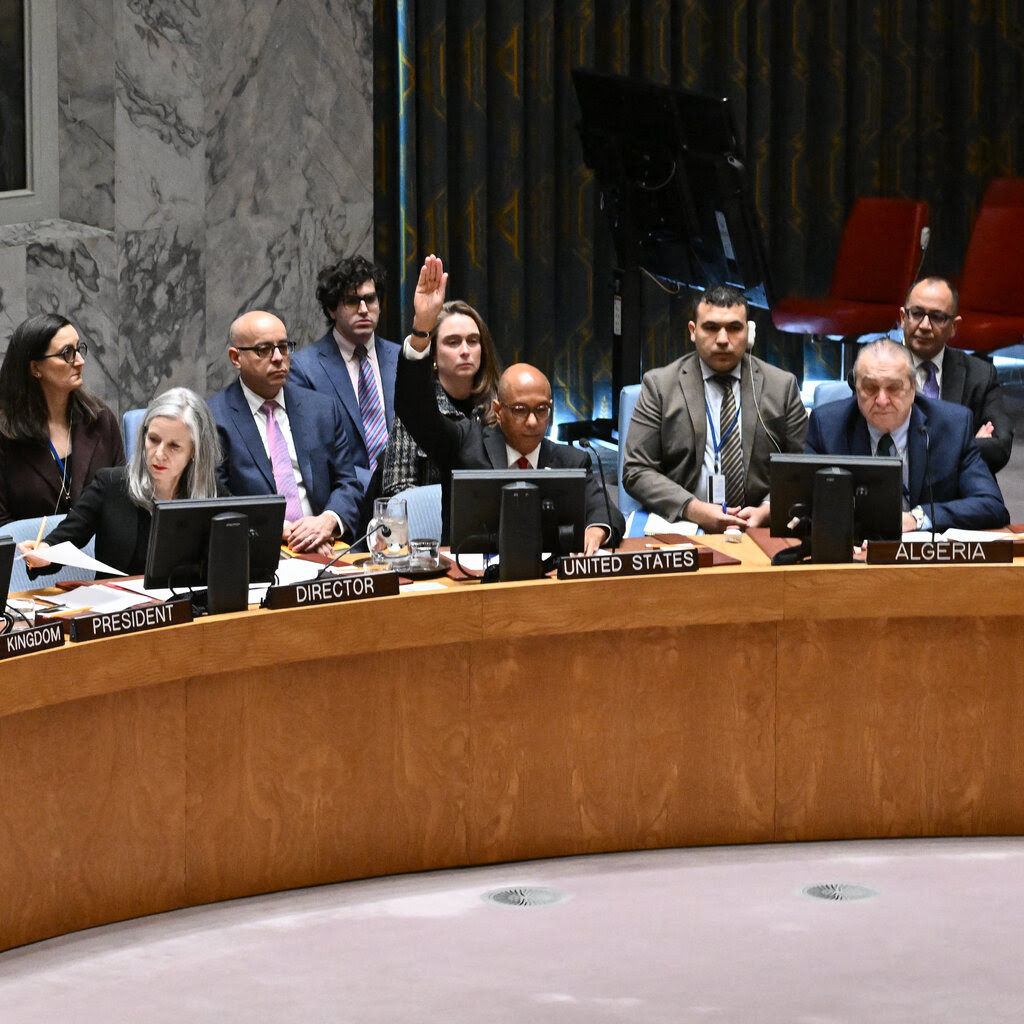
877	492
180	537
476	506
7	550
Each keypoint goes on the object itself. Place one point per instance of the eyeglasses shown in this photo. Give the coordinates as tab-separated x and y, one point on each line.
893	389
938	319
265	349
69	353
353	301
522	412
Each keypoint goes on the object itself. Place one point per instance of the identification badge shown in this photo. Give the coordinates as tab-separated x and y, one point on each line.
716	488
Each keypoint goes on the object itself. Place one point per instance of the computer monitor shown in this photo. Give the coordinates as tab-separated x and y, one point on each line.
865	505
476	508
179	539
7	551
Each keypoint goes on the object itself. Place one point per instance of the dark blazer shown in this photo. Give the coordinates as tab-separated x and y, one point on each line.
973	382
668	432
30	479
324	452
468	444
320	367
105	511
940	446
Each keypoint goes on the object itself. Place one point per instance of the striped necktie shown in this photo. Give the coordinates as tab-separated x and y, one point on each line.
375	427
281	463
730	456
931	383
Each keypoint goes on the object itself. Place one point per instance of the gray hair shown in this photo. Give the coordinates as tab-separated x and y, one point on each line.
884	347
200	477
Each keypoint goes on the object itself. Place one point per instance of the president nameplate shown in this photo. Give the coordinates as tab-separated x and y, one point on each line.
939	551
35	638
130	620
333	588
629	563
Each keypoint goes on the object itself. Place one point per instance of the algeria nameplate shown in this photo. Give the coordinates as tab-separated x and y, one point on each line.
932	552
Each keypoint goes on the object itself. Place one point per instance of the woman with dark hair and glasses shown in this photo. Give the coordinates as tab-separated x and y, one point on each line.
466	372
54	435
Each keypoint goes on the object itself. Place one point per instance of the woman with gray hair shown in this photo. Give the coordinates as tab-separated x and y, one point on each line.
176	456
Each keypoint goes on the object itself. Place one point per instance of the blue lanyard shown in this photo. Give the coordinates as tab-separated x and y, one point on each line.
61	467
715	443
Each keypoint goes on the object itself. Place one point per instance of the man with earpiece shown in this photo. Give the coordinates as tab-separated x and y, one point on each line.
704	427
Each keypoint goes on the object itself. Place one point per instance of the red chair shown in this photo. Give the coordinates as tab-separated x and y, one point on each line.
991	297
1004	192
879	256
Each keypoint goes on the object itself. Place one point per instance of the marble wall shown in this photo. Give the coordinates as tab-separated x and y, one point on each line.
213	158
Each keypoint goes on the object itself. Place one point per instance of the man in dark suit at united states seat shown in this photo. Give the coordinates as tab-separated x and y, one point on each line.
523	410
945	481
929	320
279	438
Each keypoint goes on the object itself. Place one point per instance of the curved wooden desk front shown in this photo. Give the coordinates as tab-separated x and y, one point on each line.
250	753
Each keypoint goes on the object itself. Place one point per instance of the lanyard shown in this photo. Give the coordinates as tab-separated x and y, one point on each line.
715	443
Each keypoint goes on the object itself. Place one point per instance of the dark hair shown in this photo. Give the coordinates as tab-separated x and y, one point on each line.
485	380
722	296
23	412
333	283
935	279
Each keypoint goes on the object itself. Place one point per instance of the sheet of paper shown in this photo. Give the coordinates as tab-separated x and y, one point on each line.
655	524
67	554
100	599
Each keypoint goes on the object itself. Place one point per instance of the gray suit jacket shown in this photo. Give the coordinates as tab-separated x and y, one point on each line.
970	381
668	432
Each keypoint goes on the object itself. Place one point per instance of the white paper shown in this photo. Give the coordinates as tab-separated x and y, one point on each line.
99	598
67	554
655	524
974	536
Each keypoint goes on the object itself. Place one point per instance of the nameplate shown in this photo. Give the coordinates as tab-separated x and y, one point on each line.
632	563
35	638
131	620
929	552
333	588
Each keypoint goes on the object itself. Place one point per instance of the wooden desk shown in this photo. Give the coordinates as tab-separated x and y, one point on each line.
250	753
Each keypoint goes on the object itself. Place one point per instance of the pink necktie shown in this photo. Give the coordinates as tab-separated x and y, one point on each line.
375	427
281	463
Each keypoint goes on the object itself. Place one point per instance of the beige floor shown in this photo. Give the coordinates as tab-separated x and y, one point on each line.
704	935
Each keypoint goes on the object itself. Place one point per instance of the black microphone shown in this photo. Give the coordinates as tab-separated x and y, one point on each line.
928	477
584	443
380	528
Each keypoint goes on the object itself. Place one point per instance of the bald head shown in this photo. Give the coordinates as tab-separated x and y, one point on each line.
258	347
523	406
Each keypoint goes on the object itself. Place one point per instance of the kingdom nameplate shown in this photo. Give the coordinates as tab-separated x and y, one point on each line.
130	620
629	563
35	638
932	552
333	588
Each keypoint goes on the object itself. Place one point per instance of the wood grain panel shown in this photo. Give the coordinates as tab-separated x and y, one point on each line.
345	768
92	812
624	740
903	726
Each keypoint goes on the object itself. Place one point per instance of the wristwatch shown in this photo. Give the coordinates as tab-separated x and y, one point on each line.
419	334
918	514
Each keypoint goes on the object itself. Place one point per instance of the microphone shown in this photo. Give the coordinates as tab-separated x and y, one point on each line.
374	528
585	443
928	477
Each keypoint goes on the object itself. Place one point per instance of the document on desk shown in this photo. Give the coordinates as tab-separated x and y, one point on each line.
972	536
655	525
99	598
67	554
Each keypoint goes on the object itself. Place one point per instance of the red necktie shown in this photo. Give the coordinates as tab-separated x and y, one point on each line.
522	462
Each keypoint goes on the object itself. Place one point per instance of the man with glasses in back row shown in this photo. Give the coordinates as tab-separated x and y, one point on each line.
523	409
350	363
929	321
279	438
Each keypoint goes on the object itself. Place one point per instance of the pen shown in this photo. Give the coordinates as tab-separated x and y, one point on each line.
42	530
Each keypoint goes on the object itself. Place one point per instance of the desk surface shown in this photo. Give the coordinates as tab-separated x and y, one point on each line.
268	750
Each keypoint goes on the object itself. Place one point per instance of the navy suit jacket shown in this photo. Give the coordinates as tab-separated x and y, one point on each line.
469	444
320	367
940	447
322	446
970	381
